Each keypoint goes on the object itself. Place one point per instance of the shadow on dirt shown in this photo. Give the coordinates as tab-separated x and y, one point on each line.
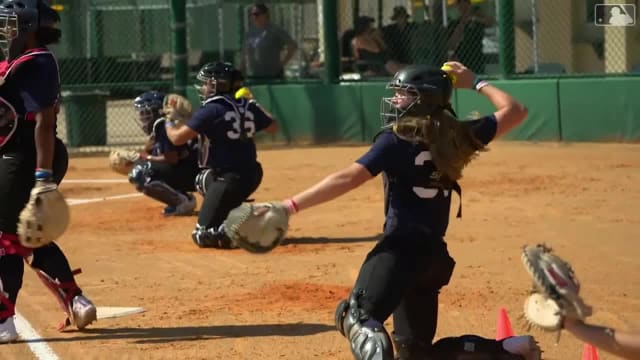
156	335
326	240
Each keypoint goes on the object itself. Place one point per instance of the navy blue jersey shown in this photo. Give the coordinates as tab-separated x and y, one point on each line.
229	125
162	144
416	194
31	84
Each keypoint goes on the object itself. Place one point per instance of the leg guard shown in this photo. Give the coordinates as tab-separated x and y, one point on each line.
164	193
64	292
140	174
202	180
9	307
211	238
368	337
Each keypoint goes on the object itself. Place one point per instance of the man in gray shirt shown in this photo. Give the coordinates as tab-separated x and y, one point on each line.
262	52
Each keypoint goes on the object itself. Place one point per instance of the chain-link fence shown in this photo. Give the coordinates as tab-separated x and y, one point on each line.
550	37
113	50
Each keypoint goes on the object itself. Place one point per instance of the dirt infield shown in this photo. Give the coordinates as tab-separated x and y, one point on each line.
582	199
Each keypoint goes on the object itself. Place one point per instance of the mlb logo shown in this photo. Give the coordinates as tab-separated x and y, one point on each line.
615	15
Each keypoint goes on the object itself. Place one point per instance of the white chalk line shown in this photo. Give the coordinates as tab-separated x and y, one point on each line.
40	349
95	181
114	197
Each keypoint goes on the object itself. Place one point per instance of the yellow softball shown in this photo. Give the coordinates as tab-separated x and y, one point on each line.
447	68
244	92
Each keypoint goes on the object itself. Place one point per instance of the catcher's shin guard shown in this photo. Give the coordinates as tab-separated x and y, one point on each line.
202	180
368	337
9	307
140	174
65	292
211	238
164	193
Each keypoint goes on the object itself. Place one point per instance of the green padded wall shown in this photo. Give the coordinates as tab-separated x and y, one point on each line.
539	96
600	109
558	109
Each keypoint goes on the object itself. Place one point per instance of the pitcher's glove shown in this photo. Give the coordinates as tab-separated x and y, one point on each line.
122	160
45	218
257	228
451	142
556	290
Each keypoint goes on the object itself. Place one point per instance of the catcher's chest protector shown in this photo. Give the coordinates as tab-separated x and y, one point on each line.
8	116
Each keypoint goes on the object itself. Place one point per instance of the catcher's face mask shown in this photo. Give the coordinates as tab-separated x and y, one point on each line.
403	99
210	87
8	33
146	117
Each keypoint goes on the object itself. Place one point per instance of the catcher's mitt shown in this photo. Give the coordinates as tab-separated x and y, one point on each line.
555	290
257	228
451	143
177	108
122	161
45	218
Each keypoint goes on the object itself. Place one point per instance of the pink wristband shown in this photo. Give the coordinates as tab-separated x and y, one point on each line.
292	206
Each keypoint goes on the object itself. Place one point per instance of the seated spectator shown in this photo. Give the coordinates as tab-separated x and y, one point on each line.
399	35
370	51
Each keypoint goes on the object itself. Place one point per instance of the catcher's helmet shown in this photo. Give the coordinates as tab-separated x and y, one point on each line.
218	79
149	108
18	19
419	90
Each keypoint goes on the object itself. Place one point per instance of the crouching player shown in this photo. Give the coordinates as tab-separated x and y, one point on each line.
164	171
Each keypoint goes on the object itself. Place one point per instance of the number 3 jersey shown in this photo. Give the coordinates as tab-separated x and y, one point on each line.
416	194
229	126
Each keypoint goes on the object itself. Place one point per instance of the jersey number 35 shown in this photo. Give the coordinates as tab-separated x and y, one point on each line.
236	120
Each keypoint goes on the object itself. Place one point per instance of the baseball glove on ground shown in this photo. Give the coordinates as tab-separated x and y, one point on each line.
45	218
257	228
121	160
451	143
555	290
177	108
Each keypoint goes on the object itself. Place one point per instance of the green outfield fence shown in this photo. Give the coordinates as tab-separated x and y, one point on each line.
112	50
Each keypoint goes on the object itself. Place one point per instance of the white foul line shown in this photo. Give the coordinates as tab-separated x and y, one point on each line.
27	333
40	349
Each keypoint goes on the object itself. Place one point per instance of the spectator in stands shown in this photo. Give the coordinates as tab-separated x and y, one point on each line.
369	50
466	34
262	51
400	35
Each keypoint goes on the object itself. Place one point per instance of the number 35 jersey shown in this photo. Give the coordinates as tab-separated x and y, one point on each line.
229	125
415	194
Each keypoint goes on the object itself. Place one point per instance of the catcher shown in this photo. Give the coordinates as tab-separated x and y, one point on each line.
555	304
422	151
162	171
33	162
230	171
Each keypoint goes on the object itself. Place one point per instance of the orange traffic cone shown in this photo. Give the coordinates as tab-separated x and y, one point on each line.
589	352
503	327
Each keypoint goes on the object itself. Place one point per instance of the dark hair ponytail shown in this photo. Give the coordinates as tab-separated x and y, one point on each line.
48	35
